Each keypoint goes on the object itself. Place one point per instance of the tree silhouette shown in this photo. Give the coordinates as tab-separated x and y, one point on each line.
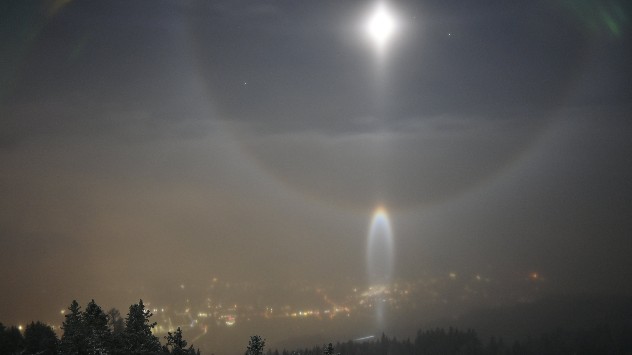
176	344
11	340
98	335
73	340
137	337
40	339
255	345
115	322
329	349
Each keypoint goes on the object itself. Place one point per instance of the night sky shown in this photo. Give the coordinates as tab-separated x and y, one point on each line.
146	144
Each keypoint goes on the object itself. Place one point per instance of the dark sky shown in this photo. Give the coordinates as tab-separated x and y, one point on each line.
150	143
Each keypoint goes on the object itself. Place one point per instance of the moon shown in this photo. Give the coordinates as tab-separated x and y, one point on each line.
381	26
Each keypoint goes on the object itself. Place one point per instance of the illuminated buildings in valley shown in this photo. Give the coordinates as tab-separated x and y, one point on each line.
225	304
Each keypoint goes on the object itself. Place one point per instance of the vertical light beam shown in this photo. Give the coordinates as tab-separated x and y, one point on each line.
379	257
380	248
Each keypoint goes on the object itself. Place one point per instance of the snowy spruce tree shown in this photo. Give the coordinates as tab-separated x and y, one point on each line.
177	345
98	335
137	336
73	339
255	345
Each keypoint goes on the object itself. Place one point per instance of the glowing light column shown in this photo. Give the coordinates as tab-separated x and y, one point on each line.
380	249
379	258
380	26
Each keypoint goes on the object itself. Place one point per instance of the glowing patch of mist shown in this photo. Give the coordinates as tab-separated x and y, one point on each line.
380	248
380	258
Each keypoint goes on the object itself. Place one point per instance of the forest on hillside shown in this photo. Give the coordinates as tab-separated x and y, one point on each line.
92	331
597	340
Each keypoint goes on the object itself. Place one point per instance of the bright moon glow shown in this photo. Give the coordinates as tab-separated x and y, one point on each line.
381	26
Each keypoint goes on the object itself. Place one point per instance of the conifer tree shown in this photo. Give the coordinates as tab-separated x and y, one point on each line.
11	340
177	345
255	345
138	338
98	335
73	339
329	349
40	339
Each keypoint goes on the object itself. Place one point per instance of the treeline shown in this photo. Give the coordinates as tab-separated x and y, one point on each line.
93	332
600	340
